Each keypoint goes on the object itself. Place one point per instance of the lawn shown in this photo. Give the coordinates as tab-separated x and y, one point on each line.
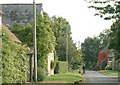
69	77
109	72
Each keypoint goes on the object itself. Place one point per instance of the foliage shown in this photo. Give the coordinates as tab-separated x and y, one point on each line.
104	64
90	49
117	64
52	64
115	36
56	71
107	9
60	27
51	32
24	33
61	67
110	9
45	38
42	74
14	61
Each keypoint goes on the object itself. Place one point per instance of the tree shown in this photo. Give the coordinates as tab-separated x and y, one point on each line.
45	40
104	38
59	30
110	10
115	38
90	49
74	55
107	9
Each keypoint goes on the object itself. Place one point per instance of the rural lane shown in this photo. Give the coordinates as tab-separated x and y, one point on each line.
97	78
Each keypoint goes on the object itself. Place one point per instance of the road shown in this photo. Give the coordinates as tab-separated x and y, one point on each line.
97	78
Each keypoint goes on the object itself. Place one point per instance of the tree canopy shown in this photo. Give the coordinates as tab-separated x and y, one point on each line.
51	36
109	10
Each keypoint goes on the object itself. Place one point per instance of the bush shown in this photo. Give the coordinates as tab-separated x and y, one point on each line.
75	65
52	64
61	67
104	64
42	74
96	68
56	71
14	61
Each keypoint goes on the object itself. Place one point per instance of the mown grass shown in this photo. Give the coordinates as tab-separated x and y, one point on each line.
69	77
110	73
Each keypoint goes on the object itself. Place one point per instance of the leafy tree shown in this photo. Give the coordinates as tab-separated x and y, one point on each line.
115	38
60	26
45	39
110	9
24	33
104	38
90	49
107	9
59	29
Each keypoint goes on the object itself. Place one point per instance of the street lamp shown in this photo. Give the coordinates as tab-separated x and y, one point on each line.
34	38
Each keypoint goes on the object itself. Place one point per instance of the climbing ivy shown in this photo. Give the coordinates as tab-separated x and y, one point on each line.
14	61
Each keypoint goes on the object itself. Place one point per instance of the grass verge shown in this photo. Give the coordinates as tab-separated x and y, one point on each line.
110	73
69	77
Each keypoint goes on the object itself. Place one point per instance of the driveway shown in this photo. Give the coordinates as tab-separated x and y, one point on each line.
98	78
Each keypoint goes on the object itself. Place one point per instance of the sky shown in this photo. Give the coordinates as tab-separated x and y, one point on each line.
81	18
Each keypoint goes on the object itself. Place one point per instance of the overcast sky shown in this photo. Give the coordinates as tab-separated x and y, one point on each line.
82	20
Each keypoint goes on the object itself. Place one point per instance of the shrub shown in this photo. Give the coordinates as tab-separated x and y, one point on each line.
14	61
104	64
42	74
61	67
96	68
56	71
52	64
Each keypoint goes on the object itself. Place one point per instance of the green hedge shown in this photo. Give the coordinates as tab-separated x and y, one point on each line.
14	61
104	64
61	67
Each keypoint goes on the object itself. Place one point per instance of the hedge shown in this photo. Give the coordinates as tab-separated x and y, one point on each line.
14	61
61	67
104	64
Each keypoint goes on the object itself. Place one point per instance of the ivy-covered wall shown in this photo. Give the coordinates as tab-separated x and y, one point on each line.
14	61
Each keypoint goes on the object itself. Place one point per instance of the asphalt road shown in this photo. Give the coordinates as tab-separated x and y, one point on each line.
96	78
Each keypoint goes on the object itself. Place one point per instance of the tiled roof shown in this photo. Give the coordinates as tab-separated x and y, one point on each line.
1	13
10	34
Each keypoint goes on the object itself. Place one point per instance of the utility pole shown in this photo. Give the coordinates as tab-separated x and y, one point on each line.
67	45
34	38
